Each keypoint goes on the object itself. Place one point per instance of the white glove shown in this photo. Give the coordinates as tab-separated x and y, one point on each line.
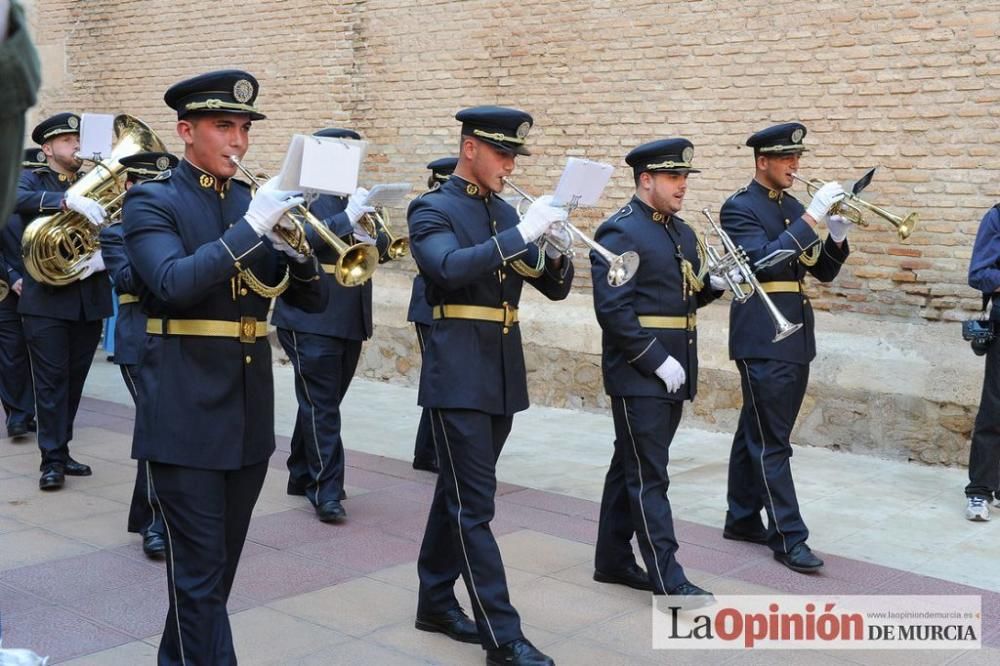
672	374
90	265
540	216
87	207
838	225
562	238
362	236
719	282
280	245
824	199
355	206
269	205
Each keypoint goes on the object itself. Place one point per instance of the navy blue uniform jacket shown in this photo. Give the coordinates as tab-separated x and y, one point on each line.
349	313
130	323
208	402
631	353
762	223
463	245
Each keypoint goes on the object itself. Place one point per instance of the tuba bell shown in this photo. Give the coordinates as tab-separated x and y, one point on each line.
54	246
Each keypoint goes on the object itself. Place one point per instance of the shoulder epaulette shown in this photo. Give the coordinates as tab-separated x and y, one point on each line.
738	192
622	212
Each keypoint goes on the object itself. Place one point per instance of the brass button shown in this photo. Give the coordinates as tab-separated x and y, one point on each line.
243	291
506	330
805	301
690	342
248	359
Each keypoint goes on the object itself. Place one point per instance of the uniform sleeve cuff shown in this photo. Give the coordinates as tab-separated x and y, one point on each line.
799	235
242	243
510	244
651	358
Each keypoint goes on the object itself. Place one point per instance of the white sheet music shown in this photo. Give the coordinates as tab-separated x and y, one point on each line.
582	182
387	195
322	164
96	133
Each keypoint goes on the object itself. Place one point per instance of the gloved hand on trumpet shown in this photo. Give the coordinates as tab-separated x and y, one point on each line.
279	244
540	217
720	283
824	200
356	210
267	210
838	225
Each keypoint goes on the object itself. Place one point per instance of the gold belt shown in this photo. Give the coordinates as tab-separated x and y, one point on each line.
786	287
125	299
246	330
661	321
506	315
330	269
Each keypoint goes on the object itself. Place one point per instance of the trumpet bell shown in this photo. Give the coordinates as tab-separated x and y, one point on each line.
622	268
784	329
398	248
356	264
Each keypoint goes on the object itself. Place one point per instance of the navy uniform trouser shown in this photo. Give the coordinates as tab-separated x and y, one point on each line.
144	511
635	492
61	353
984	456
324	367
16	393
423	447
457	540
206	514
760	471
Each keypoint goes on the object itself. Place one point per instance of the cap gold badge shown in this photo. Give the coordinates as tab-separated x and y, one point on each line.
522	129
162	162
73	122
687	154
242	91
797	135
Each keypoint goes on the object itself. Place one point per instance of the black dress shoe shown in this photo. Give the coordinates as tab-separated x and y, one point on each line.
752	537
293	488
331	512
426	465
634	577
52	477
519	651
800	558
454	624
16	430
689	596
74	468
154	546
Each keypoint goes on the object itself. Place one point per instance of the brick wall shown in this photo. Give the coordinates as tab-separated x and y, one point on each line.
910	86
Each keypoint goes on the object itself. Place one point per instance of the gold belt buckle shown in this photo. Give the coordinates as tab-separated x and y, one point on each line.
509	315
248	330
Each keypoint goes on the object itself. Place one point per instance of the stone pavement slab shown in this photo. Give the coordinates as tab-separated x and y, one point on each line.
75	586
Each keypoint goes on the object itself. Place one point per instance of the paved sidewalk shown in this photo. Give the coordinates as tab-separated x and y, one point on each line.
75	585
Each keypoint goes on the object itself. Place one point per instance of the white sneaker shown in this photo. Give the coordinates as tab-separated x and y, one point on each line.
977	509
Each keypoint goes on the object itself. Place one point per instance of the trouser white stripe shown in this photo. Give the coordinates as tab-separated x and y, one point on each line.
170	572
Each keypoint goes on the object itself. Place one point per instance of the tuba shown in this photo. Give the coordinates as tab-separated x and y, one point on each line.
735	257
53	246
621	267
355	263
853	208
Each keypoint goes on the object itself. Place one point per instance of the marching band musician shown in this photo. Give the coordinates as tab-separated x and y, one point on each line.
650	367
419	312
475	256
16	390
324	349
62	324
211	262
763	218
144	516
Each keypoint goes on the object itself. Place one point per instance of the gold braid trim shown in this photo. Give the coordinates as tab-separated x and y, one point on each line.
527	271
811	256
261	289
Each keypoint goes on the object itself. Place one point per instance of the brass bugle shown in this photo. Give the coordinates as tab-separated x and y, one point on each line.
735	257
853	208
355	263
373	223
621	267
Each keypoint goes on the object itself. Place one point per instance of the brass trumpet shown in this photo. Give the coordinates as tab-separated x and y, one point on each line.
373	223
853	208
735	257
621	267
355	263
